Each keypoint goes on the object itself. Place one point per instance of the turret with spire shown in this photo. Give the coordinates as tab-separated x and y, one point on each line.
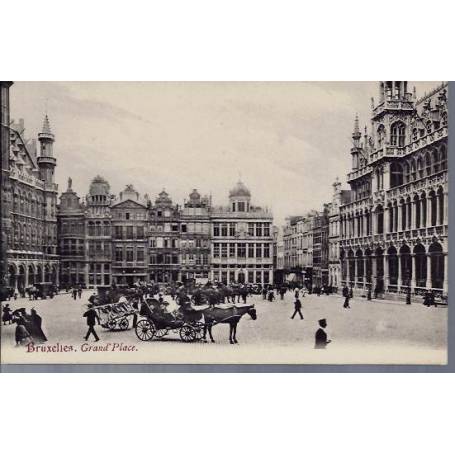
46	160
356	148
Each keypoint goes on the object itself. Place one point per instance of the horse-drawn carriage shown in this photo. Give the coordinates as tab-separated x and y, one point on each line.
191	322
157	322
115	315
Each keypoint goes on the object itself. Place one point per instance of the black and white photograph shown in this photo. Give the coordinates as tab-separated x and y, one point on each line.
224	222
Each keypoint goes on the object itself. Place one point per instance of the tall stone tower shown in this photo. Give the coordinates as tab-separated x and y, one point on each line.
46	165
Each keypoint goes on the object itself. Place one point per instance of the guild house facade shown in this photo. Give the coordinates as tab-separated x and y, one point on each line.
242	240
394	231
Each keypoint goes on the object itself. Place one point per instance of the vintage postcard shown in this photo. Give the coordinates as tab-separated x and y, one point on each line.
224	223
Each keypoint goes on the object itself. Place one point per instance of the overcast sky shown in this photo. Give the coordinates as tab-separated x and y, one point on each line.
288	141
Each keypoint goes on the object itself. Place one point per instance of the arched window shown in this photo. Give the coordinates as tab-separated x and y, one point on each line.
437	265
413	170
436	164
420	170
390	209
433	208
428	163
443	158
396	175
380	219
407	172
440	196
406	265
423	202
420	265
398	132
415	134
417	209
393	265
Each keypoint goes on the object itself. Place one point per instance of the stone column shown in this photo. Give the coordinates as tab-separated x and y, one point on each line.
436	207
413	214
386	272
429	280
348	277
364	272
446	209
26	277
374	267
399	272
399	217
373	222
445	286
428	212
413	271
356	271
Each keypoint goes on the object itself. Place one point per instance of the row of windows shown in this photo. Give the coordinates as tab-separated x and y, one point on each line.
129	254
418	167
129	232
129	215
164	259
229	229
232	250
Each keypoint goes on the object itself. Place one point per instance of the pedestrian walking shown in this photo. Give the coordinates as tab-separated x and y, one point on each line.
320	338
92	318
346	302
296	293
297	308
74	293
79	291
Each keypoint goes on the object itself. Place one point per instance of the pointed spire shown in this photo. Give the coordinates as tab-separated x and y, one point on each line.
46	126
356	124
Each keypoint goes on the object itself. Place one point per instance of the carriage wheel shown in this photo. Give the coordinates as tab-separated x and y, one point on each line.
199	330
111	324
145	330
160	333
187	333
124	324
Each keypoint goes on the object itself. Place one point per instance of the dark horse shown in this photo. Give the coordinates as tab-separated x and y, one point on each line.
231	316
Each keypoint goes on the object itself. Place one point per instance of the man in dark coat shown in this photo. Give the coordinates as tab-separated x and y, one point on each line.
92	318
297	309
321	336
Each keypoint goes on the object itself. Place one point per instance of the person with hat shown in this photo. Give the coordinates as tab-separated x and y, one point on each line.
92	318
321	336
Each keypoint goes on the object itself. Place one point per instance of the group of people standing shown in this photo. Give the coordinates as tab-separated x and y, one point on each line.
28	325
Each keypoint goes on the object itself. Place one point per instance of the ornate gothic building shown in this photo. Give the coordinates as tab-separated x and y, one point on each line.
394	231
31	207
